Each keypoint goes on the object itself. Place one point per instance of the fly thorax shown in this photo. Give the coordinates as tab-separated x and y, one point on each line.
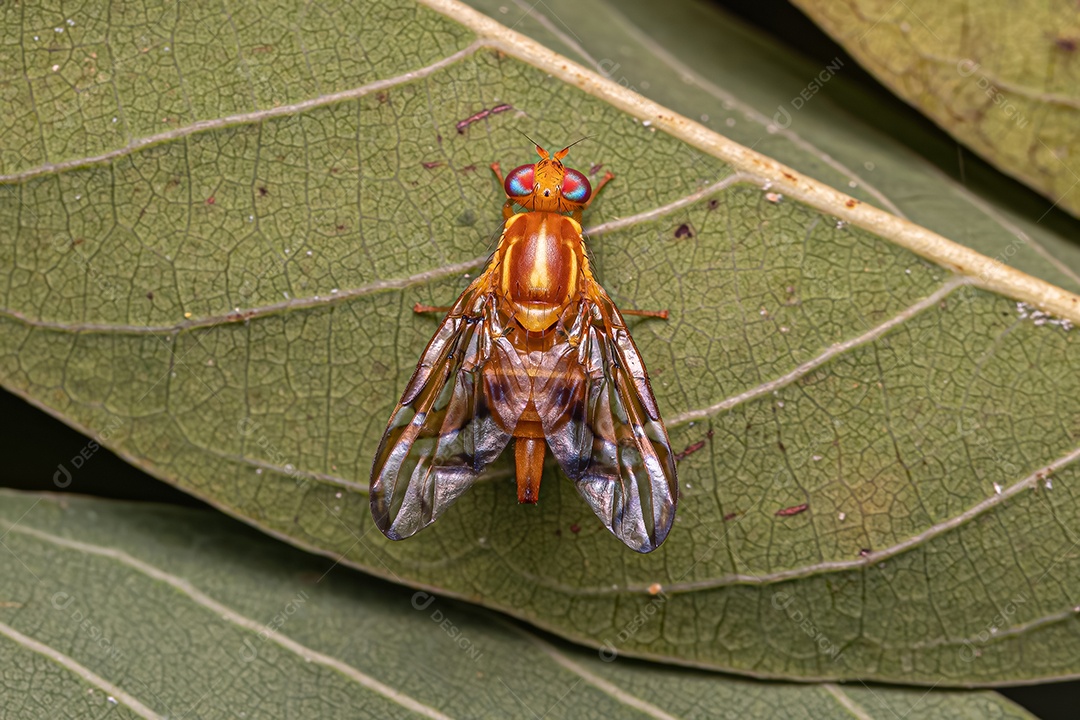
540	268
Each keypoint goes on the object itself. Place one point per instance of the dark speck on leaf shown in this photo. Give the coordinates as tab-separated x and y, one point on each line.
466	218
684	231
150	295
1067	44
575	528
713	204
789	511
263	192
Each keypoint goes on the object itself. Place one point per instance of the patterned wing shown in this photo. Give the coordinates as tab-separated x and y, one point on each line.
603	426
456	415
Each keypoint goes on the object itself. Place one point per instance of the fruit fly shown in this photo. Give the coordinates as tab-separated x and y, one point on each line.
535	351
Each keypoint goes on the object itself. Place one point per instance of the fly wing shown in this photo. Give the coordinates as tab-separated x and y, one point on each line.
602	424
456	415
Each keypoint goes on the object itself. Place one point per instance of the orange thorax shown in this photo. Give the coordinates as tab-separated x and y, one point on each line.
541	257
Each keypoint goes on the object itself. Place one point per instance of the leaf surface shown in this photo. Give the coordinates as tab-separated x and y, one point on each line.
879	448
694	59
1000	77
151	611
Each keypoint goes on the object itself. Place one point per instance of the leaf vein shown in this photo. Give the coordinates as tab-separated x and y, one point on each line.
257	116
227	613
79	669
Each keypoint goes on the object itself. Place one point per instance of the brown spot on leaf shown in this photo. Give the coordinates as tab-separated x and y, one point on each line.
263	192
1066	44
851	202
211	200
575	528
684	231
462	125
433	164
690	450
794	510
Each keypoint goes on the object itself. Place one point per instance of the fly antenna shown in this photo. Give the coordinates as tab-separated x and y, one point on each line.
540	150
562	153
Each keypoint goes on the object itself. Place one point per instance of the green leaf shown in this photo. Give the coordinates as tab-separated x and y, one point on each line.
226	302
152	611
692	58
1000	77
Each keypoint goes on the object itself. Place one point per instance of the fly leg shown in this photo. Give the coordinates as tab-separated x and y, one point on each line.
658	314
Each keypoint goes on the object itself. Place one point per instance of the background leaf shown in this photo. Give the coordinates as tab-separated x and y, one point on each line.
226	303
150	611
1000	77
694	59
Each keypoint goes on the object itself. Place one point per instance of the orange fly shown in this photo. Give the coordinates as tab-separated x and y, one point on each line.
534	350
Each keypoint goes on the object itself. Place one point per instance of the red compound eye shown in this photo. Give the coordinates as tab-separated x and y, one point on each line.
575	186
519	182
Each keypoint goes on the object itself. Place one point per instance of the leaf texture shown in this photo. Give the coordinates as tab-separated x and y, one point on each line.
143	611
877	456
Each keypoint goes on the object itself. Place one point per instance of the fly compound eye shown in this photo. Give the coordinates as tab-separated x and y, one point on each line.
519	182
575	186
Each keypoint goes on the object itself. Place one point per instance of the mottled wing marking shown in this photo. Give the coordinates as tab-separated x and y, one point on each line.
456	415
602	424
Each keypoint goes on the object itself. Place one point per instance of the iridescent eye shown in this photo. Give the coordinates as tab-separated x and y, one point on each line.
575	186
519	183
